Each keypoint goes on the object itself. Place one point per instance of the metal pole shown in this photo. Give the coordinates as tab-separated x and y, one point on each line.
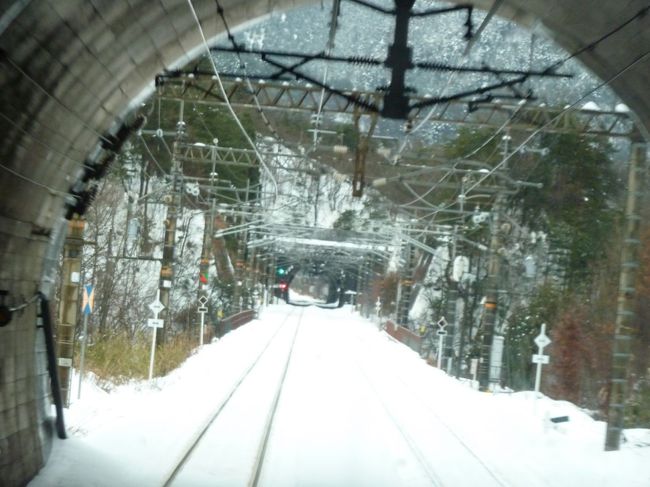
167	263
492	292
626	301
490	306
83	354
153	352
538	372
69	304
441	343
202	325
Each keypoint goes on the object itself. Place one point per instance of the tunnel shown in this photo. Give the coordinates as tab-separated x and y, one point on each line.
73	71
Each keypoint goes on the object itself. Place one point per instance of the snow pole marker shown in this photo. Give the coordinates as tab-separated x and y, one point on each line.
202	309
539	358
156	307
442	323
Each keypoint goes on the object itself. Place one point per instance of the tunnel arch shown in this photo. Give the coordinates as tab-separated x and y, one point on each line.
71	71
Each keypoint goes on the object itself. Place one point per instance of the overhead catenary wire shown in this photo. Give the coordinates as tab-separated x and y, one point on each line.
639	14
336	5
552	120
507	157
222	14
227	100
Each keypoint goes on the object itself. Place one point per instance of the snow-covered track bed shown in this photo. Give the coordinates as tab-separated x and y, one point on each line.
448	459
239	427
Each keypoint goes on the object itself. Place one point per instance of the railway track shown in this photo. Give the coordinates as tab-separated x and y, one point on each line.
276	355
492	477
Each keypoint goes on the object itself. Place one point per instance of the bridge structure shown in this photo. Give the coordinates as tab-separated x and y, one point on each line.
72	74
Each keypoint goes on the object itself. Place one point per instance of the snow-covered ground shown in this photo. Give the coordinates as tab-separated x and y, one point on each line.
356	409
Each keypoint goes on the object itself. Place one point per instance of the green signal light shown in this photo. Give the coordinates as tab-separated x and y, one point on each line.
281	271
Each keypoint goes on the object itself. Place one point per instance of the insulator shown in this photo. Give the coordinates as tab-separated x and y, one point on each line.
360	60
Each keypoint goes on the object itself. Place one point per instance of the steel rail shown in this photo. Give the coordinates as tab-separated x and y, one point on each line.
200	433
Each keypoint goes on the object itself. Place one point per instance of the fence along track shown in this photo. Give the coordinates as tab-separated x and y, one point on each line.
200	433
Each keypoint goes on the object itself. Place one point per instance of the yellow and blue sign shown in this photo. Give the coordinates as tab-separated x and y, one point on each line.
88	300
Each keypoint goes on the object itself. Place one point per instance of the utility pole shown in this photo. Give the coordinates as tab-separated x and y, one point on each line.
492	284
626	298
405	286
240	260
491	298
169	246
204	265
452	289
69	305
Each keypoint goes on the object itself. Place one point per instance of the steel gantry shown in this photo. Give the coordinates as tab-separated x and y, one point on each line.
203	88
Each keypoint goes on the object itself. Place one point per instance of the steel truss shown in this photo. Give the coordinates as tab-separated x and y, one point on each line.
204	89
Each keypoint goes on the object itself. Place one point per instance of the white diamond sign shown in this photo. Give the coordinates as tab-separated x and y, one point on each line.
156	306
203	300
542	340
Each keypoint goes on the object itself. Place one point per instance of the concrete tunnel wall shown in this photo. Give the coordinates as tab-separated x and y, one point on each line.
70	70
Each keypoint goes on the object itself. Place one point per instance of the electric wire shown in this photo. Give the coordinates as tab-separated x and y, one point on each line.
242	64
589	47
225	96
153	158
336	5
600	85
40	142
551	121
33	181
28	77
642	12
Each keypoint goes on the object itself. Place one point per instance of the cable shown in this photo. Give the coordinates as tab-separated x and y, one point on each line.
34	182
225	96
566	109
153	158
336	5
40	142
4	56
641	13
242	64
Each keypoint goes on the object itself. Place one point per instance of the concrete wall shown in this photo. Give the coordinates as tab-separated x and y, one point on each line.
70	69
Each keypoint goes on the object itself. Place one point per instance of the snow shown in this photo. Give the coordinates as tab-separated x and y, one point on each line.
590	105
357	408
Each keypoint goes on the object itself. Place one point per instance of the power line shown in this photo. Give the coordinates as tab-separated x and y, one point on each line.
40	142
225	95
637	60
33	181
4	56
641	13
